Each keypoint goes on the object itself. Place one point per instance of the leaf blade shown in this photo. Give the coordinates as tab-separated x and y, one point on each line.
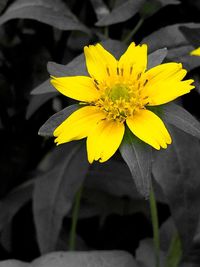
53	13
137	155
179	117
54	193
54	121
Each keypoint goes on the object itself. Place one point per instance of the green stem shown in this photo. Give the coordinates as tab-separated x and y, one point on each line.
76	208
154	218
128	38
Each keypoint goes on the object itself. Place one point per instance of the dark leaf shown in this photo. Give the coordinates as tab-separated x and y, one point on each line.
54	193
99	203
100	8
121	13
179	117
44	88
6	237
169	36
179	47
75	259
75	67
13	202
112	177
151	7
182	54
177	171
145	254
137	155
51	12
54	121
175	252
36	102
156	57
192	35
167	232
3	4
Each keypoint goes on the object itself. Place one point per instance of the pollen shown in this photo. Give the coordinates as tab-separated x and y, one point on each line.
121	100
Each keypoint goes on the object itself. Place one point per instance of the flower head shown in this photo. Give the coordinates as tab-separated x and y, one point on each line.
118	93
195	52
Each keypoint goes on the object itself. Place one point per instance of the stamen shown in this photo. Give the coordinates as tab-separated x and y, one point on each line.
122	71
139	75
146	81
131	69
108	71
96	86
117	71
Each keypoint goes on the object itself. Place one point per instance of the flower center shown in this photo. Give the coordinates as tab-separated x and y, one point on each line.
119	91
121	100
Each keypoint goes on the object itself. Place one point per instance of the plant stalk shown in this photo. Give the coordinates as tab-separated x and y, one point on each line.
155	224
75	212
128	38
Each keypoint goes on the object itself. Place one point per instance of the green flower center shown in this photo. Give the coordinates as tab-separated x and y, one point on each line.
119	91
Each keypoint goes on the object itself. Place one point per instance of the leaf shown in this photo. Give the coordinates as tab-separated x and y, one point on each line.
3	4
177	171
192	35
151	7
121	13
54	121
179	47
14	263
54	193
181	118
75	259
145	254
174	253
75	67
10	205
44	88
169	36
113	177
167	232
100	8
52	12
36	102
156	58
137	155
182	54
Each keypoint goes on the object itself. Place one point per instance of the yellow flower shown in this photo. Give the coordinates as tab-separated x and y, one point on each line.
118	93
195	52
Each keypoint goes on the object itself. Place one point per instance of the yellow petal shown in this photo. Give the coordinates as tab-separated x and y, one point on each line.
164	83
81	88
133	61
78	125
195	52
149	128
104	140
101	65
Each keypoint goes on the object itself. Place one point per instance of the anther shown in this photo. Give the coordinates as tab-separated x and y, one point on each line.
139	75
96	81
96	86
117	71
131	69
108	71
146	81
122	71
